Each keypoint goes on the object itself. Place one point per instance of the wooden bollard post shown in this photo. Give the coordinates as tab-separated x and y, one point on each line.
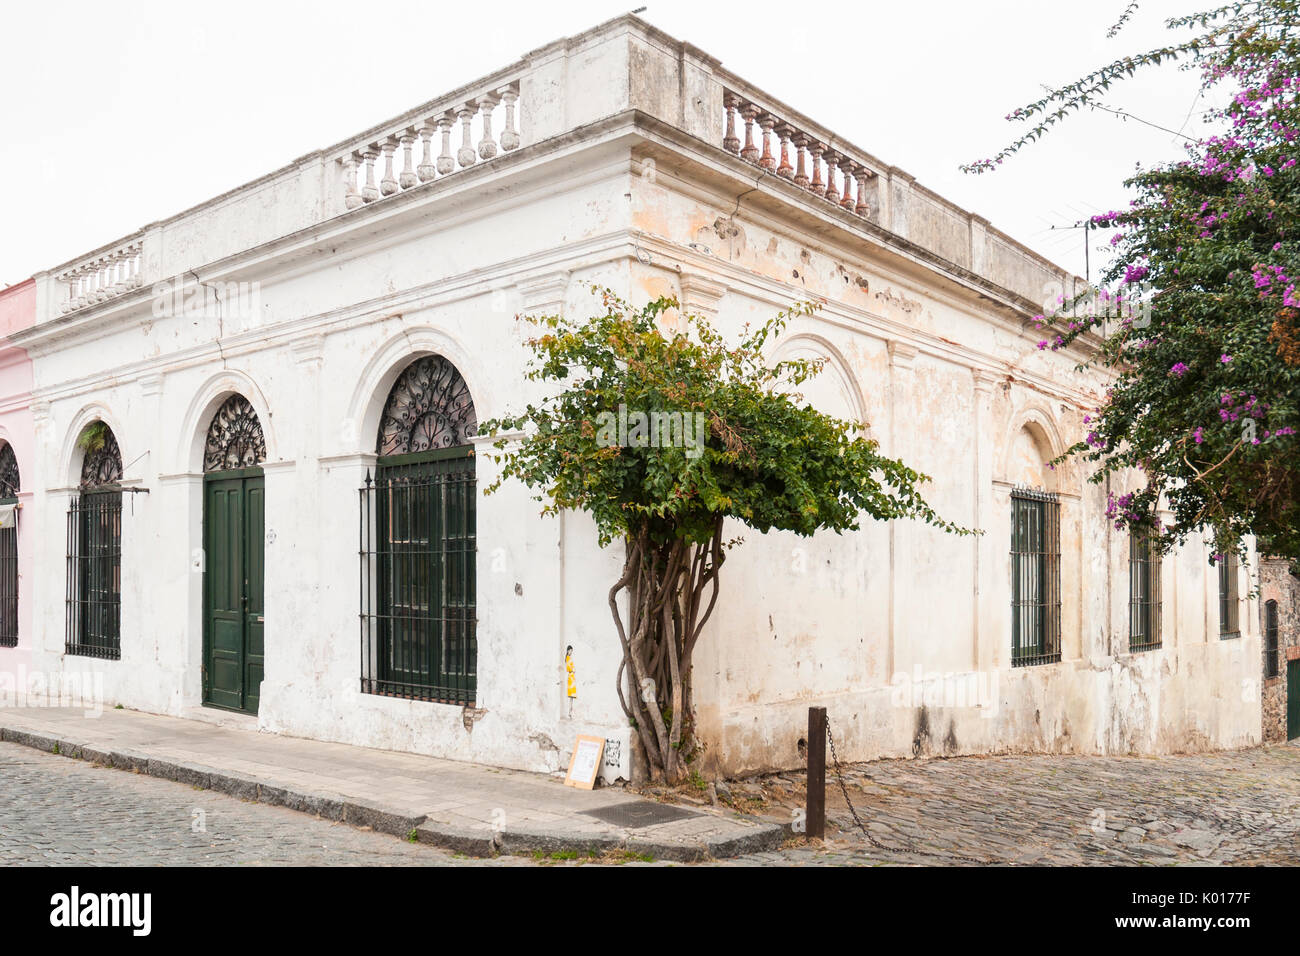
816	810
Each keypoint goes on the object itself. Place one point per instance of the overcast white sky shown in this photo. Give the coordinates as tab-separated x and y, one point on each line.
117	115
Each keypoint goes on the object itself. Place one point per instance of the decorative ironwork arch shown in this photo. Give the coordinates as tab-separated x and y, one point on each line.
9	477
429	407
235	438
103	462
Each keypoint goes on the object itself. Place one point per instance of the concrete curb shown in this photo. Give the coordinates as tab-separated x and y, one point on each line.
459	839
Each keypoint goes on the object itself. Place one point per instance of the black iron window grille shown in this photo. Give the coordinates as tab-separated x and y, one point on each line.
9	488
1144	599
418	550
1229	628
1035	577
94	597
95	575
1272	667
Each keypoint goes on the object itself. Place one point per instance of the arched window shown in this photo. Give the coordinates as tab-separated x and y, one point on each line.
418	541
94	618
9	488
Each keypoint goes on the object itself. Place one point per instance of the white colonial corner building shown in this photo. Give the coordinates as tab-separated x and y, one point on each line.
254	480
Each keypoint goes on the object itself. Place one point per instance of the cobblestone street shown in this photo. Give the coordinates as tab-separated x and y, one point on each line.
1232	808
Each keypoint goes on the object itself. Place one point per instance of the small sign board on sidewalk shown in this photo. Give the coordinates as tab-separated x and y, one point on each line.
585	763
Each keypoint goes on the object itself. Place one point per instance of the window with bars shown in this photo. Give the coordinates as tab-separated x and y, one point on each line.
418	541
95	575
418	578
1035	577
1272	667
94	599
1143	593
1228	599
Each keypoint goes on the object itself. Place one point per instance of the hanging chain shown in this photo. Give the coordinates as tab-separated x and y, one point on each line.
839	776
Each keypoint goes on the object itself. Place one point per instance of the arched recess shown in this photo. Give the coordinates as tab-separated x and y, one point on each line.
1031	442
203	408
419	526
836	390
73	454
392	360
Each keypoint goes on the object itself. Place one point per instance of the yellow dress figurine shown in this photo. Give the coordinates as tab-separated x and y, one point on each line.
572	675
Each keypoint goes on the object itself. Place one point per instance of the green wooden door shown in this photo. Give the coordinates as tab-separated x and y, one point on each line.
1292	700
233	515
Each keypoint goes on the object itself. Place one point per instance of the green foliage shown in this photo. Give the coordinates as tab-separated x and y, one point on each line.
766	459
93	437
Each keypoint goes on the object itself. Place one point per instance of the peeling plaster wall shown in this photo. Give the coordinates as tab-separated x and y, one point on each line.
951	384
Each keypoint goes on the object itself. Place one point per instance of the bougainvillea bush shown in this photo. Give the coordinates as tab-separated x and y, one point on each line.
1206	389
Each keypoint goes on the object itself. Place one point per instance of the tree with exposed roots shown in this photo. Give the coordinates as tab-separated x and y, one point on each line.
661	431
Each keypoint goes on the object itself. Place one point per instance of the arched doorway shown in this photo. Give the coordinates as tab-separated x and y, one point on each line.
419	530
9	487
234	513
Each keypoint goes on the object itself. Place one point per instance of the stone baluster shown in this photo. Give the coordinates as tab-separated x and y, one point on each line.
351	196
801	148
509	135
865	180
369	191
95	294
446	161
730	142
408	177
388	185
768	160
78	288
785	170
70	283
466	155
748	113
137	264
816	185
846	170
426	169
487	147
831	193
117	273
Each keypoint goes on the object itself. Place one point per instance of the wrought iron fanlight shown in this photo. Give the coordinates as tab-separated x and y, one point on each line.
235	439
429	407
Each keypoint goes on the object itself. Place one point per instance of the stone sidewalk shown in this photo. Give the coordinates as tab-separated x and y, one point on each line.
468	808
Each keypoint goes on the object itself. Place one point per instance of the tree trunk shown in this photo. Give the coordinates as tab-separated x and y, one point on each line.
666	584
